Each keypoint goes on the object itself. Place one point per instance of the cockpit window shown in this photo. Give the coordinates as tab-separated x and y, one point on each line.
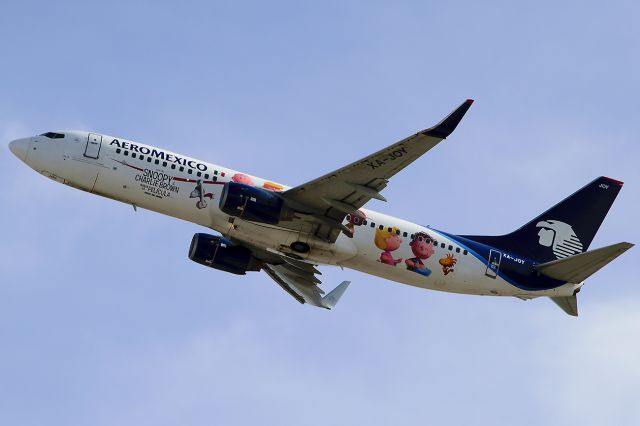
52	135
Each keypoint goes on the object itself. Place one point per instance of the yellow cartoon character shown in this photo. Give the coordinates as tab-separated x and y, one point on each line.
448	262
388	241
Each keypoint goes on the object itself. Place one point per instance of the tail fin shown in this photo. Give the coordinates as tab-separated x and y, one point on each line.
566	229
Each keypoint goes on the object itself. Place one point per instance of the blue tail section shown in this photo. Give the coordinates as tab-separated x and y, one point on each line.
566	229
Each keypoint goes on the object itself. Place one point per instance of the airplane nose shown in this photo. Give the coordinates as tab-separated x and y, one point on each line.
20	147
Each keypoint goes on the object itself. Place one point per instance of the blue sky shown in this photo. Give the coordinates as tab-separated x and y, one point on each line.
104	320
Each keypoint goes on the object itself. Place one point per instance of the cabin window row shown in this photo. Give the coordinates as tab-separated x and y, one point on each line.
165	164
450	247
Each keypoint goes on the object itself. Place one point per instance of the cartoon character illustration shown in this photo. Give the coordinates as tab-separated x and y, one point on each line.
353	221
388	241
448	262
272	186
422	248
198	192
242	178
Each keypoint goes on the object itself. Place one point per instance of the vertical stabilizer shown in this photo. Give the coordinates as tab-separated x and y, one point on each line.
564	230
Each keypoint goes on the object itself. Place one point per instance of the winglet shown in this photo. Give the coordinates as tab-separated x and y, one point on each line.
451	121
331	299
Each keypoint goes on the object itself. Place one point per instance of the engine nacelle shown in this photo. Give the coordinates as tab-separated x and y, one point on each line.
216	252
254	204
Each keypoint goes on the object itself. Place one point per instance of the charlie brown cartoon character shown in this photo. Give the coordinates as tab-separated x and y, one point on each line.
388	241
422	248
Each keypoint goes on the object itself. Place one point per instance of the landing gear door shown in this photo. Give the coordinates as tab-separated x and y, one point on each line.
94	142
493	266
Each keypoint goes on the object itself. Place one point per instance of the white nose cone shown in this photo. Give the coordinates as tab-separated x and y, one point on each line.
20	148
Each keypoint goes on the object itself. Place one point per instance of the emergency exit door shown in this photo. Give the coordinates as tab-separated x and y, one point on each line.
94	142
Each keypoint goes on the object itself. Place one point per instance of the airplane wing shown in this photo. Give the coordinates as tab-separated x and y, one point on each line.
300	281
298	278
328	199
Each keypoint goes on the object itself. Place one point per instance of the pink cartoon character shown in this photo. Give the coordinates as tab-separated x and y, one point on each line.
388	241
242	178
422	247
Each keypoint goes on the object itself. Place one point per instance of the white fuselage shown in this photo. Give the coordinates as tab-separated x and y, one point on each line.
165	182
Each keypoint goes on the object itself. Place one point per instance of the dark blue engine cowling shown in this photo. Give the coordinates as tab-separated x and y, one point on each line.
216	252
251	203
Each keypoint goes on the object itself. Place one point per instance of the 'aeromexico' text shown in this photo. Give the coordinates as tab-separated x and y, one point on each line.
153	152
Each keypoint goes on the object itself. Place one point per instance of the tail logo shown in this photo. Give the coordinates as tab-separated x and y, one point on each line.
560	237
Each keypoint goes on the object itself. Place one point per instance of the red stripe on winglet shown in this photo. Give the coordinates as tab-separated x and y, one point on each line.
619	182
469	101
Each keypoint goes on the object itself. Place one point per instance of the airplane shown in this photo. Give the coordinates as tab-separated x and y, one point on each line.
287	232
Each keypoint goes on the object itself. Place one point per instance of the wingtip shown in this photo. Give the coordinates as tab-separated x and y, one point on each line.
330	300
450	122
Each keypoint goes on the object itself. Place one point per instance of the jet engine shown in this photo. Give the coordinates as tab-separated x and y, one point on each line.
219	253
254	204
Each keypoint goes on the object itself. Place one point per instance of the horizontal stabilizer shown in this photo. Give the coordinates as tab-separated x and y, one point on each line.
575	269
569	304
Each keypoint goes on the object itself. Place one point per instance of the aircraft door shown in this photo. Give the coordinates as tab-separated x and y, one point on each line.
94	142
493	266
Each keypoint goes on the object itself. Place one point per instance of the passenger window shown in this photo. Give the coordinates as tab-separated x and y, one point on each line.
118	150
181	169
126	153
206	175
450	247
157	161
173	166
148	159
133	155
464	252
397	232
364	222
164	164
215	172
373	225
413	236
442	245
141	158
390	229
457	249
199	174
190	171
381	227
404	234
